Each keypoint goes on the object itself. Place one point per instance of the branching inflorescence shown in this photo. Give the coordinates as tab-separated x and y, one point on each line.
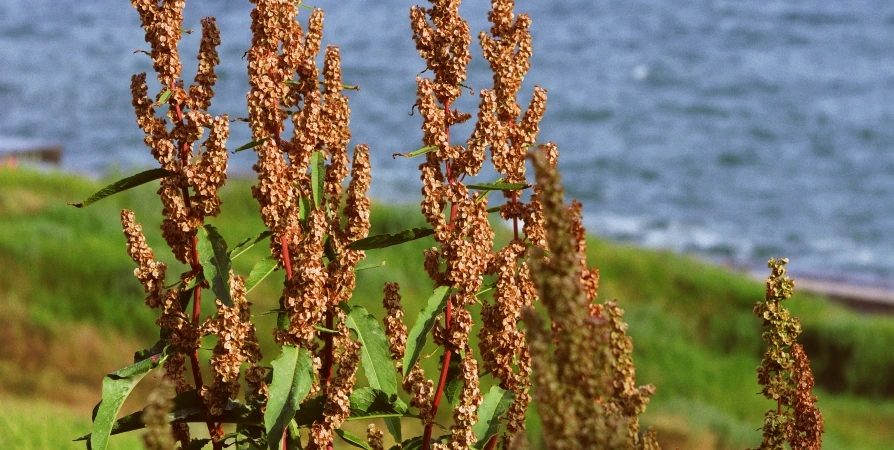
579	360
785	372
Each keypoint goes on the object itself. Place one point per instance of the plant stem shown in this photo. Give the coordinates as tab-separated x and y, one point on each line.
492	443
445	362
213	430
287	261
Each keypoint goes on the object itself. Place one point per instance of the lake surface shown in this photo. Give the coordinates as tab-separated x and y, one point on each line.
734	130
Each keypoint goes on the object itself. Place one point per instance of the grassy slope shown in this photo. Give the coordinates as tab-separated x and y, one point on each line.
73	311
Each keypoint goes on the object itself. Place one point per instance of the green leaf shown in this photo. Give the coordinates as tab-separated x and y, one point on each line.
368	402
394	428
369	266
317	176
424	323
454	385
498	186
494	405
387	240
251	144
260	271
147	353
293	374
303	209
116	386
243	246
416	443
352	440
415	153
215	262
375	355
123	185
164	97
494	209
188	407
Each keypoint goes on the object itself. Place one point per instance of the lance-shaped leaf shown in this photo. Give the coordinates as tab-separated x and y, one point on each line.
352	440
123	185
187	407
260	271
387	240
375	356
116	386
498	186
495	404
317	176
414	153
215	262
424	323
251	144
293	374
243	246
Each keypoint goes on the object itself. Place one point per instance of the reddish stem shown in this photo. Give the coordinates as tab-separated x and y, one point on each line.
213	430
287	261
491	444
445	362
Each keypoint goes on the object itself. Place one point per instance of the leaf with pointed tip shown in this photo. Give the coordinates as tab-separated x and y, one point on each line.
394	428
416	153
123	185
317	176
495	404
424	323
375	355
116	386
388	240
498	186
215	262
243	246
251	144
187	407
352	440
260	271
369	266
293	375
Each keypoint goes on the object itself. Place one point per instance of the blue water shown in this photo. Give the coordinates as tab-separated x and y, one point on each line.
734	130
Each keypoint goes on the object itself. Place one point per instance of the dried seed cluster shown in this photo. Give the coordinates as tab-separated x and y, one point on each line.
237	344
784	372
202	174
283	75
585	380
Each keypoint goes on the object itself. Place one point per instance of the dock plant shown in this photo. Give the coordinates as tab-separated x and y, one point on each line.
542	333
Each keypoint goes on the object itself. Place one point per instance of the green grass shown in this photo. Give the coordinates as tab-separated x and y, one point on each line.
64	272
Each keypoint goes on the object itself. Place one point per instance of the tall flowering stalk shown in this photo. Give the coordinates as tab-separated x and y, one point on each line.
300	197
583	369
785	372
189	189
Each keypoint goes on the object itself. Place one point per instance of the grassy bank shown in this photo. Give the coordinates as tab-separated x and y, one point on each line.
73	311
